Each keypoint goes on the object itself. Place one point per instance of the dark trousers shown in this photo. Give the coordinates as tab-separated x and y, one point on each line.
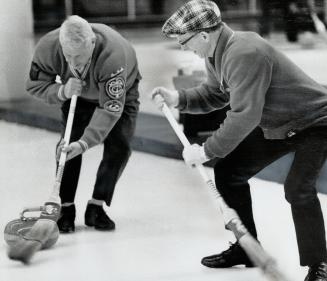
116	152
252	155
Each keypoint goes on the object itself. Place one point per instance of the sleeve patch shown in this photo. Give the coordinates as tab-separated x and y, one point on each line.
34	71
120	70
115	87
113	106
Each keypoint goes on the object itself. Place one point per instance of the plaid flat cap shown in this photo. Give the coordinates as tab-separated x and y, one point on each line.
192	16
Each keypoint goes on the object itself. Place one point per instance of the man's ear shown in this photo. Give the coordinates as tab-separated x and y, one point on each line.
205	36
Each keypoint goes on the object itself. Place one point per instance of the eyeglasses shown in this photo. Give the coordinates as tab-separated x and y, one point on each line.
182	43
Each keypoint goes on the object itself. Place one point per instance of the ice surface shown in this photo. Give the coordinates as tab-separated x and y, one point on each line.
166	219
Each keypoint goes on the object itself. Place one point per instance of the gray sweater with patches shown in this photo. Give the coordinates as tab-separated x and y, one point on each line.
112	55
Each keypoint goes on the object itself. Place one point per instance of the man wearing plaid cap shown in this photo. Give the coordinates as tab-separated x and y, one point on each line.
275	109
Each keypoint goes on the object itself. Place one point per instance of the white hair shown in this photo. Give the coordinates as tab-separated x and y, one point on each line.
75	32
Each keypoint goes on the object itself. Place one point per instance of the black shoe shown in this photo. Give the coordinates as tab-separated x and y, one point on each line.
66	220
97	217
317	272
234	255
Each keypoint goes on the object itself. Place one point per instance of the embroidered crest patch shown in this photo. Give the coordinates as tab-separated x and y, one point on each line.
115	87
113	106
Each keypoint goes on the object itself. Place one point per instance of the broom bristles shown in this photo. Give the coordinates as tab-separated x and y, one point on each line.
41	231
24	250
260	258
32	241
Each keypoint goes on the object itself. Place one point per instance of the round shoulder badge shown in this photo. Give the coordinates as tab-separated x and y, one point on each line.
113	106
115	87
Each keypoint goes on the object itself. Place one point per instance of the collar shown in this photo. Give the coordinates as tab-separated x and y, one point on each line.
223	39
84	72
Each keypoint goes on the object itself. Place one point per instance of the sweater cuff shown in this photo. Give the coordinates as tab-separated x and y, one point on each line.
182	100
204	155
61	95
208	152
84	145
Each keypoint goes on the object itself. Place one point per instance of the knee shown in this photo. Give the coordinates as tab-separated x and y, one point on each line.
302	197
226	178
222	176
118	153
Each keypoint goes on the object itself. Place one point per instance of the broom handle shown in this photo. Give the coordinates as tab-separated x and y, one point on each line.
171	119
54	197
232	221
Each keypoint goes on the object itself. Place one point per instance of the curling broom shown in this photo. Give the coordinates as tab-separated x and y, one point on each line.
31	242
232	221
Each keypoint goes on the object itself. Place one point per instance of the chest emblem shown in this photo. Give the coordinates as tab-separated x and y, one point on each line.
113	106
115	87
